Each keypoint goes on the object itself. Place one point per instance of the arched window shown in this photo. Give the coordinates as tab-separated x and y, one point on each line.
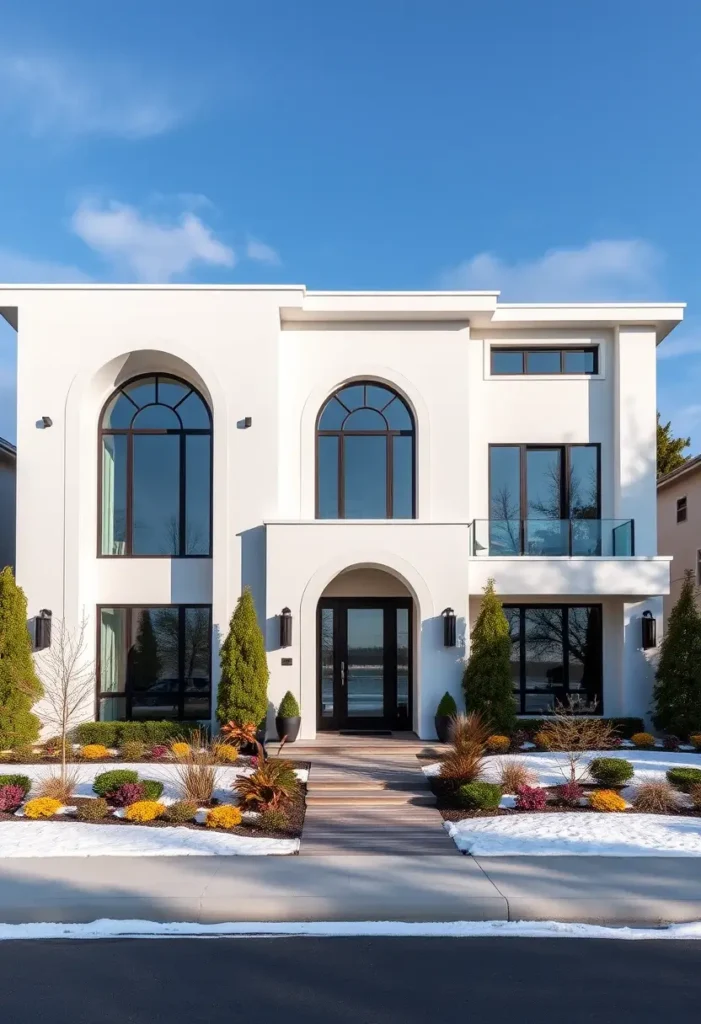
156	470
365	455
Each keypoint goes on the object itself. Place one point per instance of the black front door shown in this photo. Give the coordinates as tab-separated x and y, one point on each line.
365	663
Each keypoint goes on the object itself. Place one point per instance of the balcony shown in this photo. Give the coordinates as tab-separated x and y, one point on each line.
553	538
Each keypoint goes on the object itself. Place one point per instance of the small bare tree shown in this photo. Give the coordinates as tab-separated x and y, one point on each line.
572	732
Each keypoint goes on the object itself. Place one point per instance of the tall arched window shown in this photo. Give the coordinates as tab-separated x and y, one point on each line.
156	470
365	455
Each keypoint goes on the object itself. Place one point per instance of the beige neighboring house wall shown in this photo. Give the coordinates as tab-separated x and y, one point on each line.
8	477
679	535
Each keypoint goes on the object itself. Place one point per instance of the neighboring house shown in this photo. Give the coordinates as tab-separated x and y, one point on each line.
679	524
366	460
8	475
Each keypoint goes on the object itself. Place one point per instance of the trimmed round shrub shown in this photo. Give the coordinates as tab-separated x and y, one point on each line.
498	744
144	811
17	780
128	793
152	788
531	798
643	740
180	750
106	782
543	740
94	752
181	812
671	742
273	820
93	810
606	800
478	796
611	771
132	750
289	708
27	754
224	816
227	753
42	807
10	798
684	778
447	708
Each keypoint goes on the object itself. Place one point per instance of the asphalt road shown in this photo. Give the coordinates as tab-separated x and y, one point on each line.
348	981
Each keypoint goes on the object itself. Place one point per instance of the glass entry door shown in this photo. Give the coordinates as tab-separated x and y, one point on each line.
364	663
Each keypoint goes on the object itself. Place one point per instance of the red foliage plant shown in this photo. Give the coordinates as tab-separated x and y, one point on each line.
126	794
530	798
159	751
569	794
10	797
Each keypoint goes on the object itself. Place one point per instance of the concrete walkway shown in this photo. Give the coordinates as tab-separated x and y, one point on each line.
643	891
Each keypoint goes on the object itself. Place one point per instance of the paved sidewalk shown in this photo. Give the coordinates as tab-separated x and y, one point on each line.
601	890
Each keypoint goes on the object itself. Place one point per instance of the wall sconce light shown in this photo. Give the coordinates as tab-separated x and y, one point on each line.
649	631
42	630
449	628
285	628
44	422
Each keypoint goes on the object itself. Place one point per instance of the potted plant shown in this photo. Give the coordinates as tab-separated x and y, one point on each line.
288	720
445	713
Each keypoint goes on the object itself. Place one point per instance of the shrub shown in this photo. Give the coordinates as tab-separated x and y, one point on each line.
464	763
17	780
52	747
10	798
695	740
684	778
20	687
289	708
108	781
610	771
152	788
479	796
655	796
144	811
487	677
132	750
530	798
94	752
677	691
447	708
60	786
180	749
243	686
695	794
606	800
497	744
159	751
513	774
42	807
273	820
113	734
569	794
226	752
671	743
26	754
181	812
126	794
224	816
542	740
93	810
271	784
643	740
97	732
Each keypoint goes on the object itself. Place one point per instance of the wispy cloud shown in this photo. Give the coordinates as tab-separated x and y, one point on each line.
16	268
262	253
673	348
146	248
606	270
49	95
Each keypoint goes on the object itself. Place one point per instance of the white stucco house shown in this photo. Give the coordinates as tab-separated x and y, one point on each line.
367	461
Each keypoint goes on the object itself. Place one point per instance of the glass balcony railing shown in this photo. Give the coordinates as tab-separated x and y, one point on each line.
576	538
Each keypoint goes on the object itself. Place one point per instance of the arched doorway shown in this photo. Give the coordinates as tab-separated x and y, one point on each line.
365	630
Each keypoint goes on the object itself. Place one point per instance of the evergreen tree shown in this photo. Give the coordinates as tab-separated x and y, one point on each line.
19	683
243	686
669	448
487	678
677	692
146	661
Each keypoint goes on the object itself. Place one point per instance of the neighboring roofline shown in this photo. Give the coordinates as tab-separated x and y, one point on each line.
8	448
690	466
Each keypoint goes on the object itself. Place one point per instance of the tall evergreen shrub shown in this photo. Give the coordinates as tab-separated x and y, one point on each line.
487	678
243	686
677	692
20	687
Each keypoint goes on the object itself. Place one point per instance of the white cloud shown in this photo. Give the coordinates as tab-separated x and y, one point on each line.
15	268
49	95
148	249
684	346
607	270
262	253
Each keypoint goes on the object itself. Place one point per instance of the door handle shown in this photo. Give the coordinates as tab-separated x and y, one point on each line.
343	673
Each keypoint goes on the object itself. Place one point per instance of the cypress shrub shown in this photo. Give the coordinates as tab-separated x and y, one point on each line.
677	692
20	687
479	796
610	771
243	686
289	708
447	707
487	678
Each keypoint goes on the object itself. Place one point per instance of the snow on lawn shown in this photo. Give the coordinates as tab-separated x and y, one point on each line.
80	839
580	835
649	765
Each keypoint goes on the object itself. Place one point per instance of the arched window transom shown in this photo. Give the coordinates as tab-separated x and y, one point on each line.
365	455
156	470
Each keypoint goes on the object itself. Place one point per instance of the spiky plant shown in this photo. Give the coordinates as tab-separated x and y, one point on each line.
272	783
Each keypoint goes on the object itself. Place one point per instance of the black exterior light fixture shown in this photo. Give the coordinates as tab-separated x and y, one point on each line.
285	628
449	631
649	631
42	630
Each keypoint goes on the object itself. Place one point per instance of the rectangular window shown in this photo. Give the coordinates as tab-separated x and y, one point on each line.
681	509
698	567
545	361
155	662
556	653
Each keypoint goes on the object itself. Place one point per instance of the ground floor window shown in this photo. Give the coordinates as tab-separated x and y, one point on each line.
154	662
556	650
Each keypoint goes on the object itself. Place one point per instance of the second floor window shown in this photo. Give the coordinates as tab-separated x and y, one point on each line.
365	455
545	360
681	509
156	470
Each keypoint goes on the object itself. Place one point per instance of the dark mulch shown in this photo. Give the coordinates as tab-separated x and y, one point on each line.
455	814
243	761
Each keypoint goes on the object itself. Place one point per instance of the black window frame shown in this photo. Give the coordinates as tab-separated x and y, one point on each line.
388	433
126	694
521	692
130	432
527	350
682	509
565	466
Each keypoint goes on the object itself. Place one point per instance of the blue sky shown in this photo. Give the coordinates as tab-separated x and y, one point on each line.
548	149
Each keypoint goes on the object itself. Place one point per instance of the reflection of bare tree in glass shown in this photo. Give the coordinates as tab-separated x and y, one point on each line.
505	522
194	540
546	628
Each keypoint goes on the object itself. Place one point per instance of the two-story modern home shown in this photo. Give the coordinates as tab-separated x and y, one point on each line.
365	463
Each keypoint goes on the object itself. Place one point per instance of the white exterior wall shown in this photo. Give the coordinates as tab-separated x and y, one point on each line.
276	355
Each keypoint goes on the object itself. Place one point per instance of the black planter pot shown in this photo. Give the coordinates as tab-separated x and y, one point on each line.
287	728
444	728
